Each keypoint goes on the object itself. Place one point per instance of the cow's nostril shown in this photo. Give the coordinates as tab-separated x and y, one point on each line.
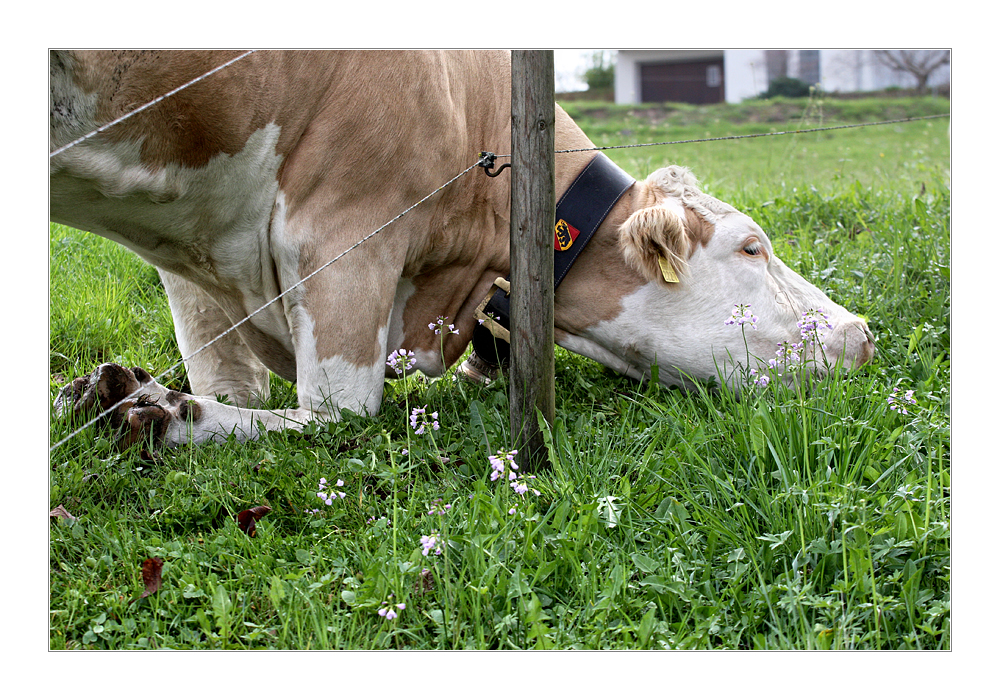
867	351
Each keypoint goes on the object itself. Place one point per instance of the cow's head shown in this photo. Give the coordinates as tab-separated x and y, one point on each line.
699	259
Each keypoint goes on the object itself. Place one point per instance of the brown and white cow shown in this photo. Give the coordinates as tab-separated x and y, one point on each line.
239	186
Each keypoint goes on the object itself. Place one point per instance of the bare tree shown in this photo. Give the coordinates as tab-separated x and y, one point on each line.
919	64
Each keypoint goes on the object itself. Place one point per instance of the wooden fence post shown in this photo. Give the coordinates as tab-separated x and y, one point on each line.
532	222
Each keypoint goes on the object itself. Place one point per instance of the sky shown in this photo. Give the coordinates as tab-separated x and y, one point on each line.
569	65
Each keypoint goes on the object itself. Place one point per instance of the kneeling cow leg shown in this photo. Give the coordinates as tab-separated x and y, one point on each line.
150	412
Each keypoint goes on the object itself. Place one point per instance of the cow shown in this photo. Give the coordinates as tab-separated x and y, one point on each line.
241	185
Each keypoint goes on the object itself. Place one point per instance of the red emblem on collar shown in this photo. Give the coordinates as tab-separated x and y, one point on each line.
565	235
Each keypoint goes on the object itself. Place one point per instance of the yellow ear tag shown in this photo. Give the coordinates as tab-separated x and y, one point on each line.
668	272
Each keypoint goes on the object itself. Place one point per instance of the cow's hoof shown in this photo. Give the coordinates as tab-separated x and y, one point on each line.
102	389
143	423
70	396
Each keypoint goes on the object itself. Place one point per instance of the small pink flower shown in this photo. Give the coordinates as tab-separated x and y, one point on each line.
896	402
438	327
429	542
401	360
741	315
387	612
500	462
420	420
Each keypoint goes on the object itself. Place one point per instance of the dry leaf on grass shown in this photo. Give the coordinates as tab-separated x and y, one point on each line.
247	519
151	570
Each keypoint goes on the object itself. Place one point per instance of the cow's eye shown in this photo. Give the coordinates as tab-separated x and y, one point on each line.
753	248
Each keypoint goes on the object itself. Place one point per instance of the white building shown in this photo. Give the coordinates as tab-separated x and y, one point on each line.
733	75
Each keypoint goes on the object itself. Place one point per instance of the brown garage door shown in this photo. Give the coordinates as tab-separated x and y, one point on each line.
695	82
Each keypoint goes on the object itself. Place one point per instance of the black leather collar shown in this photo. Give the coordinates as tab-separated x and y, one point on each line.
579	212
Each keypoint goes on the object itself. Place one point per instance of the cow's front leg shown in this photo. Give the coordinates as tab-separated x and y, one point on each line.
340	352
151	413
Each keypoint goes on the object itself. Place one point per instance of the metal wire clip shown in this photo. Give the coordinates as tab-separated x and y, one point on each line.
488	160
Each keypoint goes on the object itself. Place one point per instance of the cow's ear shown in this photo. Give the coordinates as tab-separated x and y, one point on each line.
655	242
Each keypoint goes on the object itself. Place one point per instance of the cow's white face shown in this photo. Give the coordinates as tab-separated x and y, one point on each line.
687	327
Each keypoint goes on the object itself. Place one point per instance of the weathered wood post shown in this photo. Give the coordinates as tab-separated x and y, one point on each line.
532	222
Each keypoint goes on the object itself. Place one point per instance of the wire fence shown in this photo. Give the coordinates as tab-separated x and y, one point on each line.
484	159
759	135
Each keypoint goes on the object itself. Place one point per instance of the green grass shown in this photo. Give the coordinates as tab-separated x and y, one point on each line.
784	519
878	156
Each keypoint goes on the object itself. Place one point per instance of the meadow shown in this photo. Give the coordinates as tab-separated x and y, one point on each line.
790	517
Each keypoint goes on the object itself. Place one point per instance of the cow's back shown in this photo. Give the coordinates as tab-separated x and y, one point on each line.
345	120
